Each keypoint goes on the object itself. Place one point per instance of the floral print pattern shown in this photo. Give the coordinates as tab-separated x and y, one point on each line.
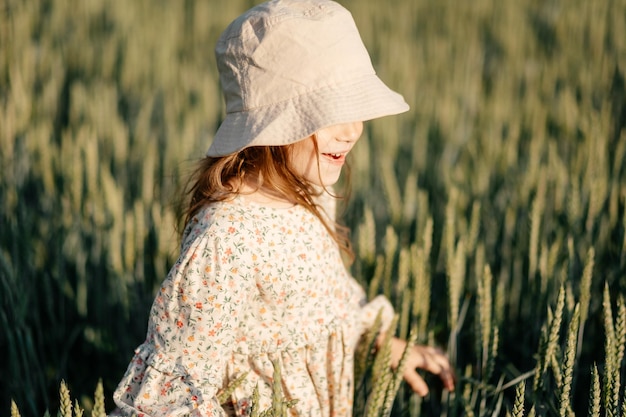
253	285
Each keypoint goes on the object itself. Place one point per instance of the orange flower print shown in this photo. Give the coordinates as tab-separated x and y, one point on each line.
199	305
179	324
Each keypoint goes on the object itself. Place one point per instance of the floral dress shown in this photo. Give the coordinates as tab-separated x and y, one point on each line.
253	286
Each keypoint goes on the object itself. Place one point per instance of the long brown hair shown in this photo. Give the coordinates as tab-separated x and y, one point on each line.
218	179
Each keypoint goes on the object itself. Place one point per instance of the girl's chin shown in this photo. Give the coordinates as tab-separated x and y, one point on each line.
328	180
327	175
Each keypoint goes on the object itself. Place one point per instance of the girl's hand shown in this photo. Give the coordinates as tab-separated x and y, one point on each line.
428	358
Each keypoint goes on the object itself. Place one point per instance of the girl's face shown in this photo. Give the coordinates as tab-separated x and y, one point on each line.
333	144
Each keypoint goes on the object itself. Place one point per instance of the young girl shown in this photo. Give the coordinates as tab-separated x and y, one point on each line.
260	278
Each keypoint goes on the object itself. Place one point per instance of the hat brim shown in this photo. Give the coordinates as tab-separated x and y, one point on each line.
292	120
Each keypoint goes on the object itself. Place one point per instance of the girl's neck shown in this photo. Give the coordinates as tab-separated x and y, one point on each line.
260	194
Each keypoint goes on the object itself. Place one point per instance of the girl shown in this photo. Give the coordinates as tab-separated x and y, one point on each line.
260	278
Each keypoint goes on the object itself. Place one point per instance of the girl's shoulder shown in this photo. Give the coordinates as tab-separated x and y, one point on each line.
240	213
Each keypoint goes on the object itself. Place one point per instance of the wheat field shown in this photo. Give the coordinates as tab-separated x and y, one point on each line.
492	214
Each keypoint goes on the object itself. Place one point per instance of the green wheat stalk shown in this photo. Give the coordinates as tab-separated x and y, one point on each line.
620	340
392	190
427	237
620	328
541	356
398	373
65	409
409	207
224	395
548	342
404	270
456	279
15	412
555	327
585	291
611	386
421	290
449	231
279	406
595	393
255	407
367	237
363	354
474	229
537	208
98	404
518	405
491	362
467	398
404	276
78	411
381	376
555	366
377	278
391	246
567	370
484	302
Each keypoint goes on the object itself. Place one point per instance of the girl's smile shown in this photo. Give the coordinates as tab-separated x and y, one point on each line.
322	164
336	157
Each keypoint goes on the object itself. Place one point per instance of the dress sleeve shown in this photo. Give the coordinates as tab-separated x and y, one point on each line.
368	311
193	326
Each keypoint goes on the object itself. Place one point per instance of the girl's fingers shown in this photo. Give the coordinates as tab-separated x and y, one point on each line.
431	359
436	362
416	382
449	379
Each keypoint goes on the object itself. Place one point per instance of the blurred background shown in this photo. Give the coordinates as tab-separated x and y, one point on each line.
492	213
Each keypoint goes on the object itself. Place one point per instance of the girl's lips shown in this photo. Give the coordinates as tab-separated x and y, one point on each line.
337	158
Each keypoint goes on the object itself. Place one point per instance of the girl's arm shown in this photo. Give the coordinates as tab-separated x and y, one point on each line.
194	325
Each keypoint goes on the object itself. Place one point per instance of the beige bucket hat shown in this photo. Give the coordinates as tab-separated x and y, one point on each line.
291	67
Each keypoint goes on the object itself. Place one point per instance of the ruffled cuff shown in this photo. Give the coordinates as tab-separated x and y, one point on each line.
155	385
